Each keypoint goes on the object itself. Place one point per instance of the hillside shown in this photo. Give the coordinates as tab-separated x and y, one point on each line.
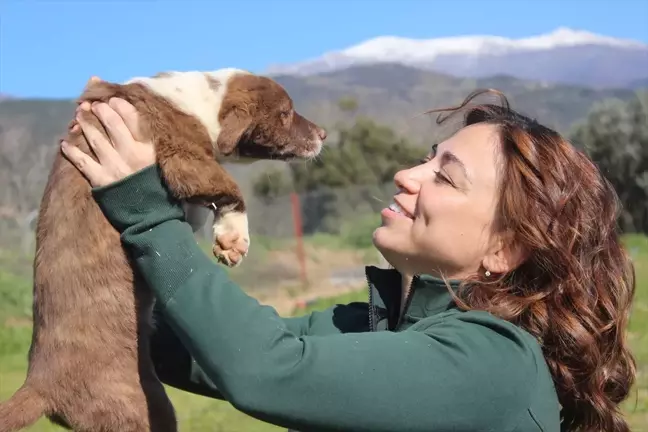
394	94
390	93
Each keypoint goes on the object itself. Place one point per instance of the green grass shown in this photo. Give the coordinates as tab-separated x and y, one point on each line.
194	413
636	407
197	413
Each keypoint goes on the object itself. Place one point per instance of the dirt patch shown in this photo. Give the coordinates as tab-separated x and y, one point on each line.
17	322
290	295
288	304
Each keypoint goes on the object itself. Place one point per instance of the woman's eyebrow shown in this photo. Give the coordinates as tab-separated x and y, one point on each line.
450	158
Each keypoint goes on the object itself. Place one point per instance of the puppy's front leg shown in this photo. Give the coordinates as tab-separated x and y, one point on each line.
231	235
196	215
189	168
205	182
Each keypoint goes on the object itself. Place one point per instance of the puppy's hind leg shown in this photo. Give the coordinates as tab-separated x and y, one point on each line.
124	415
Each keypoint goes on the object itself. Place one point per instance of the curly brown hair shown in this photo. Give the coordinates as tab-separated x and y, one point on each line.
573	291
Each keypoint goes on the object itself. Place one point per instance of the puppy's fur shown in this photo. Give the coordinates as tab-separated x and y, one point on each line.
89	363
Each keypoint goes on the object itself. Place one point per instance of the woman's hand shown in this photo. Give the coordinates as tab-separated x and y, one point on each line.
123	153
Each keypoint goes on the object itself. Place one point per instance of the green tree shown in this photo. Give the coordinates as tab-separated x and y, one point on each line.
273	183
366	153
348	178
348	104
615	135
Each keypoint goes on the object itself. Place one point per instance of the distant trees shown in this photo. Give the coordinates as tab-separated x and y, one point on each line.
23	173
615	135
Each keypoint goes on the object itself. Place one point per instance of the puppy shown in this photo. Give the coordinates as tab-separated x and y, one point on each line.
89	363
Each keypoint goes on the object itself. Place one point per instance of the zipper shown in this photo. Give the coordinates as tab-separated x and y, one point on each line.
372	309
408	300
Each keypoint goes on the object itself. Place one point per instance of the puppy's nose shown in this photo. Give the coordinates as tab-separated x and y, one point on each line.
321	133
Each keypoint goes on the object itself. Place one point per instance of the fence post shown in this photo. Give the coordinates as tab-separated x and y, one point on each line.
299	236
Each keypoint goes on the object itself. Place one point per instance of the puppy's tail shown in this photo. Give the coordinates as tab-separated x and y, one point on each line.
23	409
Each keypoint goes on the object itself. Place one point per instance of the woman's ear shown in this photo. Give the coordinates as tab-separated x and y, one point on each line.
505	256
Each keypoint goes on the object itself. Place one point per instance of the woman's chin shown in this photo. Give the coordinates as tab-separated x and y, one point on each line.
384	239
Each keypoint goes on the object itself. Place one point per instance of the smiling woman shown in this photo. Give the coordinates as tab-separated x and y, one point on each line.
452	196
506	307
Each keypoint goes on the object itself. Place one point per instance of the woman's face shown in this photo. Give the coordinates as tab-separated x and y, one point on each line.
440	221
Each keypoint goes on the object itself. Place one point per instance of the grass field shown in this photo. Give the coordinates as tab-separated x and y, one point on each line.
202	414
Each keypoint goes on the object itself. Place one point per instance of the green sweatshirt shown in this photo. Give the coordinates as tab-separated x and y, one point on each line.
356	367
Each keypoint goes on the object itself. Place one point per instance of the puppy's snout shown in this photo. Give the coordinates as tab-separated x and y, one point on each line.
321	133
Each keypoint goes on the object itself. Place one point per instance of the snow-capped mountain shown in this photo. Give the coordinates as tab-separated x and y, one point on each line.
564	55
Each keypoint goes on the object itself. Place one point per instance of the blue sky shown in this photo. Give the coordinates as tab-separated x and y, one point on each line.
50	48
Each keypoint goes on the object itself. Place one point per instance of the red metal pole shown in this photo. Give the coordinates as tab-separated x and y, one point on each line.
297	221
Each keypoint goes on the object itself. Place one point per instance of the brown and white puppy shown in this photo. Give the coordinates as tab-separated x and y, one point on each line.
89	362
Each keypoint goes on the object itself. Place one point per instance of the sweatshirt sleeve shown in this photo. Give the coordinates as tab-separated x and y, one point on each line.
422	379
176	367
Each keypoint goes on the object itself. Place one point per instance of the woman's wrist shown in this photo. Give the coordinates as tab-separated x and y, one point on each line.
136	198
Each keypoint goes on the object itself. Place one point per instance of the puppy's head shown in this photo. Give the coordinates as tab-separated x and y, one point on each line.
258	121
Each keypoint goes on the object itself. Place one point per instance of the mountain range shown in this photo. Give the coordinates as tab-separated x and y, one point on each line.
564	55
392	92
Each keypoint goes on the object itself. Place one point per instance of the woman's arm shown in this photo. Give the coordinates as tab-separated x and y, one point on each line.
426	378
176	367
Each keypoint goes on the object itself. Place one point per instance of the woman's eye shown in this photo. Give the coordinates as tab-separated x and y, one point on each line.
440	178
430	156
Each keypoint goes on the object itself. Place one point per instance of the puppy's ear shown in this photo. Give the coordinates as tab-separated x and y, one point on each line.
234	127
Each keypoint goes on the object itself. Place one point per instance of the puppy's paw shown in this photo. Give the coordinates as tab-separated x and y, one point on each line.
231	238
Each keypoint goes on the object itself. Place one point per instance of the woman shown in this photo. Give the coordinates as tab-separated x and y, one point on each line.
505	310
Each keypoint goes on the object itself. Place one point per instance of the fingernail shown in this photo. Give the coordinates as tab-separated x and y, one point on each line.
63	144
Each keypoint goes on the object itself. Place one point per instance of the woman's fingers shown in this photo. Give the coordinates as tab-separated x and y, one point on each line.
136	151
118	132
99	144
117	144
129	115
94	172
93	80
73	126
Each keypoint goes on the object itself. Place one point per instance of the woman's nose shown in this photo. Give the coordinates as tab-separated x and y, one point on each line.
406	181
